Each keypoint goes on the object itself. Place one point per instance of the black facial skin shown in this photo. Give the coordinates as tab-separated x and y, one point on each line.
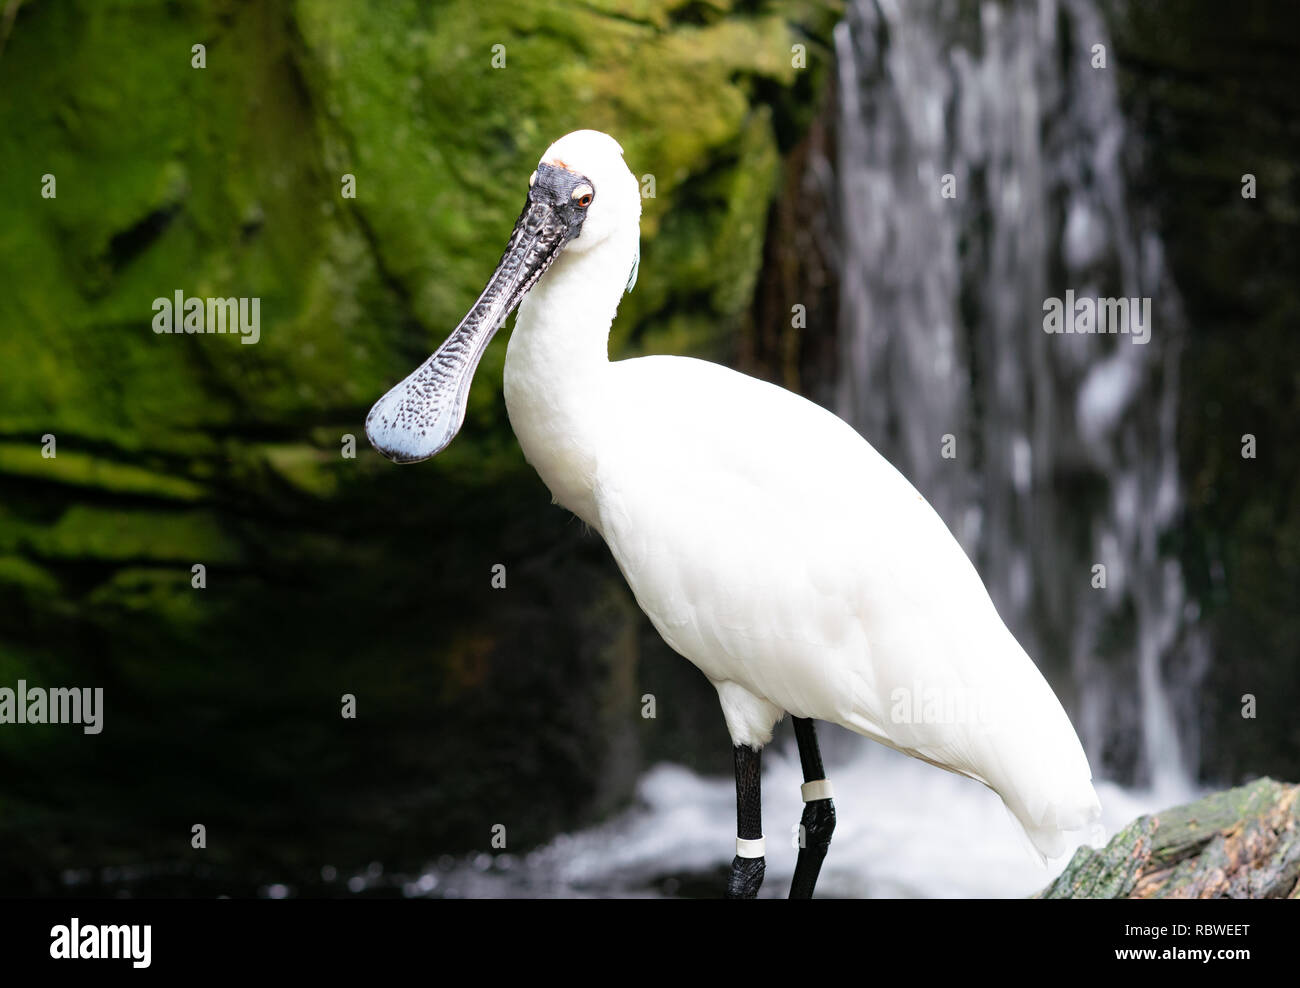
554	187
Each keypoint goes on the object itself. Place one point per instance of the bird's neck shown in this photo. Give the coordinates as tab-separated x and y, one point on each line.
557	368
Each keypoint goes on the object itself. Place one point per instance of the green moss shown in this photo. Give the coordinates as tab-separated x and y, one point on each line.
87	532
310	470
1237	842
82	470
16	571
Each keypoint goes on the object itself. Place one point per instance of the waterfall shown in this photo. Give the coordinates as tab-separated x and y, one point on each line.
1065	453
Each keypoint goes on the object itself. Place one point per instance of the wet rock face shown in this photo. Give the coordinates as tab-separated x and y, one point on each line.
356	168
1214	96
1239	843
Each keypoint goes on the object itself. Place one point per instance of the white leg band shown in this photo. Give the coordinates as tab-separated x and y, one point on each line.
751	848
818	789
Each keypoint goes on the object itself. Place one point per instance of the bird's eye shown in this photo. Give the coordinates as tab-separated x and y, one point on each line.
583	195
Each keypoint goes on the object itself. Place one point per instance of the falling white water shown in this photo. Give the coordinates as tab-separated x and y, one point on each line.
1065	444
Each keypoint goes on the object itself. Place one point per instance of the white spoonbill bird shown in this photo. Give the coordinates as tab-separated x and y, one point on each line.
766	540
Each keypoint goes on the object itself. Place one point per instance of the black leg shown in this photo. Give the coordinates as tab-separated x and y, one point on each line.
818	821
747	872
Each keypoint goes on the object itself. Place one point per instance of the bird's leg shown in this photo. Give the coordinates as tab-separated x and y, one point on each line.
818	821
748	866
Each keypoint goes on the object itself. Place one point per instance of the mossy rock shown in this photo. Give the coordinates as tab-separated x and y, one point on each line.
1238	843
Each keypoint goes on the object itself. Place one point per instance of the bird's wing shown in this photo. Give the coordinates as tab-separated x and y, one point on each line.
748	519
774	548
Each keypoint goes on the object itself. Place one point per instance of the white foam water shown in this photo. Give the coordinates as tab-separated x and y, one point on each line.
904	830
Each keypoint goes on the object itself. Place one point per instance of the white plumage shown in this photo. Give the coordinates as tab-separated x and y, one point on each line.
770	544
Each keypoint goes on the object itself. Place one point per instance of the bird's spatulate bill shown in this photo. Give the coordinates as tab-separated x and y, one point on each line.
420	417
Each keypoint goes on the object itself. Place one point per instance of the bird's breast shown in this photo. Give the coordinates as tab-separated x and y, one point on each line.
556	429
